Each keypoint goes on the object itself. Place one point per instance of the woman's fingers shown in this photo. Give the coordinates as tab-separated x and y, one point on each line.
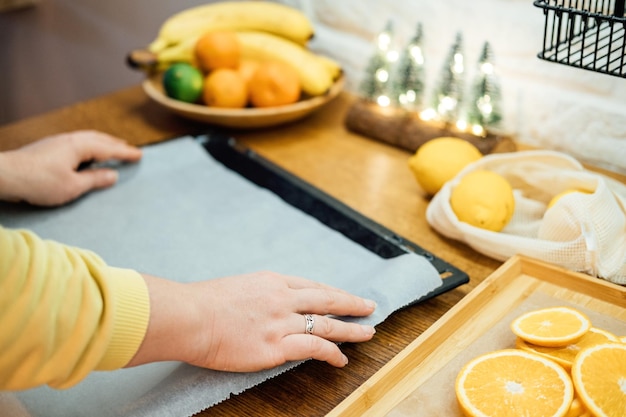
316	337
299	347
331	328
93	179
316	297
331	301
99	146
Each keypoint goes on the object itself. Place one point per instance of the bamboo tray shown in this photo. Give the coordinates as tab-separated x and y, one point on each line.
478	323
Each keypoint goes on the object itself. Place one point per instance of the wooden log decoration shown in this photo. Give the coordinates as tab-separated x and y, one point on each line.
406	130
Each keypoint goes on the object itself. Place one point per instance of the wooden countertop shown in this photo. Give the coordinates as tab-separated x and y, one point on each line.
370	176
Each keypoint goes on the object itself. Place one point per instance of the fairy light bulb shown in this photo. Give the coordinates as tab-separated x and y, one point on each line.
382	75
448	95
416	54
457	65
374	84
383	101
384	39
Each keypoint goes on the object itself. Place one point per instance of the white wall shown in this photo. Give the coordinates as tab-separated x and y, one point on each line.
63	51
546	104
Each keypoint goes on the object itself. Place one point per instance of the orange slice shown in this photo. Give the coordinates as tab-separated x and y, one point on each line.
565	355
512	382
599	375
553	326
575	409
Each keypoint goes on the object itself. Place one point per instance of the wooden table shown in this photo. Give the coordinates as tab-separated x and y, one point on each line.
370	176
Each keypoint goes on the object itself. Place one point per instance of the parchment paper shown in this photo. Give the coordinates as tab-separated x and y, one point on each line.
436	397
182	215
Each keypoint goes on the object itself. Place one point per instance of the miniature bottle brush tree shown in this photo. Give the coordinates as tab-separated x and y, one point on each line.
392	94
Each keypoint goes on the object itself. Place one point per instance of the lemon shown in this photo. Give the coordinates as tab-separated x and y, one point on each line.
439	160
483	199
564	193
183	82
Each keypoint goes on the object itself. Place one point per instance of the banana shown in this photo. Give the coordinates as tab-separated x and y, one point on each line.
182	51
315	77
331	65
266	16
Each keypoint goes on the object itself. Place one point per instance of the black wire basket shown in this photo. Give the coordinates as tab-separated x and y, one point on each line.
588	34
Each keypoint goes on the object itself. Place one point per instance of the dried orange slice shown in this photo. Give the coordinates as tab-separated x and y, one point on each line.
512	382
599	375
565	355
552	326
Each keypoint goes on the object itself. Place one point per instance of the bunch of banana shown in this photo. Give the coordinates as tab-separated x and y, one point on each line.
317	72
266	31
271	17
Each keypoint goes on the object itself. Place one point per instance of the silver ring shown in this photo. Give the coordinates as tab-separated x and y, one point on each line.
310	322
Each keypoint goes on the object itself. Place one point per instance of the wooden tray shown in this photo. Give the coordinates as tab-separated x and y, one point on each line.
478	313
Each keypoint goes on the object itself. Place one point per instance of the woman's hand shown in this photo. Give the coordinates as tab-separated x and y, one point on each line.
250	322
46	172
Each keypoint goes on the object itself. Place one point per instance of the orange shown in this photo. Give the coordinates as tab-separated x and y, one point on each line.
247	68
218	49
599	375
225	87
274	84
552	326
512	382
565	355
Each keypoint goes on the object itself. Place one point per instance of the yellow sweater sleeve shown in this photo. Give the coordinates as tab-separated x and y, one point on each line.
64	313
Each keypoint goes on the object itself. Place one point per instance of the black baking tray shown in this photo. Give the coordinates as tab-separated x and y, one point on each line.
328	210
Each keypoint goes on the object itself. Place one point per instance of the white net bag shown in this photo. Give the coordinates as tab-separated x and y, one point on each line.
583	232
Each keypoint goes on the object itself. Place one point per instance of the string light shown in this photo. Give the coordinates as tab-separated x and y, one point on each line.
416	53
448	95
383	101
406	86
396	80
382	75
384	38
428	114
484	105
457	66
374	84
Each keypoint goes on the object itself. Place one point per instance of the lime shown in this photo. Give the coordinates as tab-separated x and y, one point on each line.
183	82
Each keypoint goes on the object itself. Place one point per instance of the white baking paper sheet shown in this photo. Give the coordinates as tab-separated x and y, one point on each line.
182	215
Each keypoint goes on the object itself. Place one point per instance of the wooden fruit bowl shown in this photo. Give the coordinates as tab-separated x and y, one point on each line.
247	118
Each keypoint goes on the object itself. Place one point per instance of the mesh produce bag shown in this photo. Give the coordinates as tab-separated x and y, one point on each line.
581	232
